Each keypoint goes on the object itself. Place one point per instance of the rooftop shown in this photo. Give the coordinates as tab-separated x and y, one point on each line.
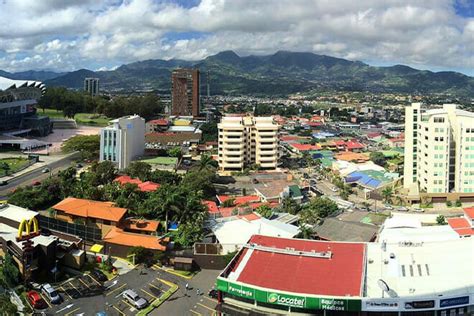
161	161
16	213
91	209
146	186
119	237
145	225
339	275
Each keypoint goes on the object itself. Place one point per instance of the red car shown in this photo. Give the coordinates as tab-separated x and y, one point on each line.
36	183
36	300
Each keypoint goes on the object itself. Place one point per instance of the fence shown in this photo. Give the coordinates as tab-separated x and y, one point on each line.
85	232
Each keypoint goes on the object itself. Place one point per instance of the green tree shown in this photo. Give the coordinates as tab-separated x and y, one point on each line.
262	110
228	203
441	220
141	254
87	145
102	173
200	181
289	205
378	158
175	152
139	169
5	167
306	232
164	177
387	194
207	163
9	273
209	132
6	306
316	209
264	210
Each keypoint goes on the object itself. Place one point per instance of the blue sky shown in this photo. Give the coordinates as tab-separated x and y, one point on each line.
67	35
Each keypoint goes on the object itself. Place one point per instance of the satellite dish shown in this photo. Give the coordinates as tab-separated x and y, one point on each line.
383	285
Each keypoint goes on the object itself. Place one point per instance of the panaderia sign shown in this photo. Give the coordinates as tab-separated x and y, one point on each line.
295	301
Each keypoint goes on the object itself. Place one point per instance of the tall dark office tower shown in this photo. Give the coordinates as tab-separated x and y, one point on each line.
91	86
185	96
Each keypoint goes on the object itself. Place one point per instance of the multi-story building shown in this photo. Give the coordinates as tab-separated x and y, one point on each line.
91	86
248	140
123	140
439	149
185	97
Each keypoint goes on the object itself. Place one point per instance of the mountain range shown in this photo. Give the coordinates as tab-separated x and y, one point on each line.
281	73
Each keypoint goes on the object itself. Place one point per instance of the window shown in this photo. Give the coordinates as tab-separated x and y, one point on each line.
439	119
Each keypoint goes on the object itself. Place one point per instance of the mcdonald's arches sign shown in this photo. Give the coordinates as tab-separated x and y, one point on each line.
28	229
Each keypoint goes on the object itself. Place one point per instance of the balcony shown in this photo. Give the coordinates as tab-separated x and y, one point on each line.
225	133
267	159
233	159
231	165
233	140
232	145
268	146
267	133
268	165
267	152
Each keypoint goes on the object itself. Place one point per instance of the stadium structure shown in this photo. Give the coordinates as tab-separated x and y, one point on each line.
18	117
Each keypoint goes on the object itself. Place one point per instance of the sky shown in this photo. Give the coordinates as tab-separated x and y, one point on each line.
66	35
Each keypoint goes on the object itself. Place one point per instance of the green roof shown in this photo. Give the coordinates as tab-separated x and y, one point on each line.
295	191
161	161
327	162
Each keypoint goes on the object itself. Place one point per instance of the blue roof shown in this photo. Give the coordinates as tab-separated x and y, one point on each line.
363	179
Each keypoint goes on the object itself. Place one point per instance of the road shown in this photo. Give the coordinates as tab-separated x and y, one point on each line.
35	175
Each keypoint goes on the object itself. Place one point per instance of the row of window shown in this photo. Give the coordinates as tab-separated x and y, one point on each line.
439	130
471	156
469	164
438	156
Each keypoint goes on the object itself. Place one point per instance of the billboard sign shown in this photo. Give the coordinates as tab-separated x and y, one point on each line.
455	301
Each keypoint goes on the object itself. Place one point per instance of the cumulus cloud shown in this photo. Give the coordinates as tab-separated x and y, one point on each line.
67	35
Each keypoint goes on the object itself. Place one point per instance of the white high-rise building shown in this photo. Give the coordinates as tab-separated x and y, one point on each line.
439	149
248	140
91	86
123	140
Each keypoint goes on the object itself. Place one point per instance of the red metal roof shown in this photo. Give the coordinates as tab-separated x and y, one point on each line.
161	122
238	200
461	226
306	147
469	211
340	276
212	206
146	186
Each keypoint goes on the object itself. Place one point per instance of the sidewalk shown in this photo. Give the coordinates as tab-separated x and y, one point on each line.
122	265
43	163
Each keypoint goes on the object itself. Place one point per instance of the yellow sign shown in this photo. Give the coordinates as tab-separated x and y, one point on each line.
30	227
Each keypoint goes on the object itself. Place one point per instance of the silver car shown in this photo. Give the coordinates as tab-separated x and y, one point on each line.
52	295
134	299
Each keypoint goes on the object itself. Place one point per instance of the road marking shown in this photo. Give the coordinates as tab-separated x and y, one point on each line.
196	313
206	307
75	288
93	279
75	310
211	299
155	287
84	283
121	286
148	293
128	303
45	300
118	310
65	292
155	267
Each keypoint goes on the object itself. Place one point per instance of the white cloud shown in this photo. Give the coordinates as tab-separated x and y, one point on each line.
75	34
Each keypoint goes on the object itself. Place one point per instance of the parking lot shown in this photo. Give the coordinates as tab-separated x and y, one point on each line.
86	295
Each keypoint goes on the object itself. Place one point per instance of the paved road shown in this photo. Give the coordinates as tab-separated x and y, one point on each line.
35	175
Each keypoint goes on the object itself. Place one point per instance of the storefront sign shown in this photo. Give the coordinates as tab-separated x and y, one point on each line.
456	301
333	304
381	305
241	291
420	304
287	300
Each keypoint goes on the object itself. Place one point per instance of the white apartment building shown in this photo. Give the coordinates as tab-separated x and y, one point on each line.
439	149
91	86
123	140
248	140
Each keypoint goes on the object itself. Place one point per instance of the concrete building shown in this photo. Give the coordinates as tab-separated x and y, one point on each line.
185	96
91	86
248	140
439	150
123	140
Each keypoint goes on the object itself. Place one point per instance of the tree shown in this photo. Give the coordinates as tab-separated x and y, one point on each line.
289	205
200	181
262	110
175	152
9	273
228	203
264	210
306	232
139	169
141	254
5	167
207	163
316	209
209	132
441	220
387	194
164	177
378	158
103	172
87	145
6	306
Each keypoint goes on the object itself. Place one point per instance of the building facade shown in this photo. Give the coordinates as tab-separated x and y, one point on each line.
123	140
439	149
248	140
185	96
91	86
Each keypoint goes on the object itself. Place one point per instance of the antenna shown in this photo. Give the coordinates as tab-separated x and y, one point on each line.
383	286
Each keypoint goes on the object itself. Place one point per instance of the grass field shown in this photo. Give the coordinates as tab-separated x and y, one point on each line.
81	118
14	165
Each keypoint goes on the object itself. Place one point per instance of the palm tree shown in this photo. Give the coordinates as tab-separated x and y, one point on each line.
206	163
387	194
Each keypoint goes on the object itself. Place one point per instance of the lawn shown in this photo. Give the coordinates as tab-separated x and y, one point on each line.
375	218
14	165
91	119
52	113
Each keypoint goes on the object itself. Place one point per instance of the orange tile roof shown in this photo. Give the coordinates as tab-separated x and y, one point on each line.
119	237
238	200
350	156
127	179
306	147
469	211
212	206
146	186
250	217
461	226
91	209
142	224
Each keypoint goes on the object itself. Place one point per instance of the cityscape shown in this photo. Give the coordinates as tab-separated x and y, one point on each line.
204	157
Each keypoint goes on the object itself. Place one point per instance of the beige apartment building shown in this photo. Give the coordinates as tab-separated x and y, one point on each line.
247	140
439	151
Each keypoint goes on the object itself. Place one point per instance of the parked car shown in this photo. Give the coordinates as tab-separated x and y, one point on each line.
99	275
36	300
212	293
45	170
51	294
334	189
402	209
132	297
388	207
36	183
418	210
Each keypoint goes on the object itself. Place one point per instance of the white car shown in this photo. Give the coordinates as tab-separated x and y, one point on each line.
334	189
418	210
132	297
51	294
